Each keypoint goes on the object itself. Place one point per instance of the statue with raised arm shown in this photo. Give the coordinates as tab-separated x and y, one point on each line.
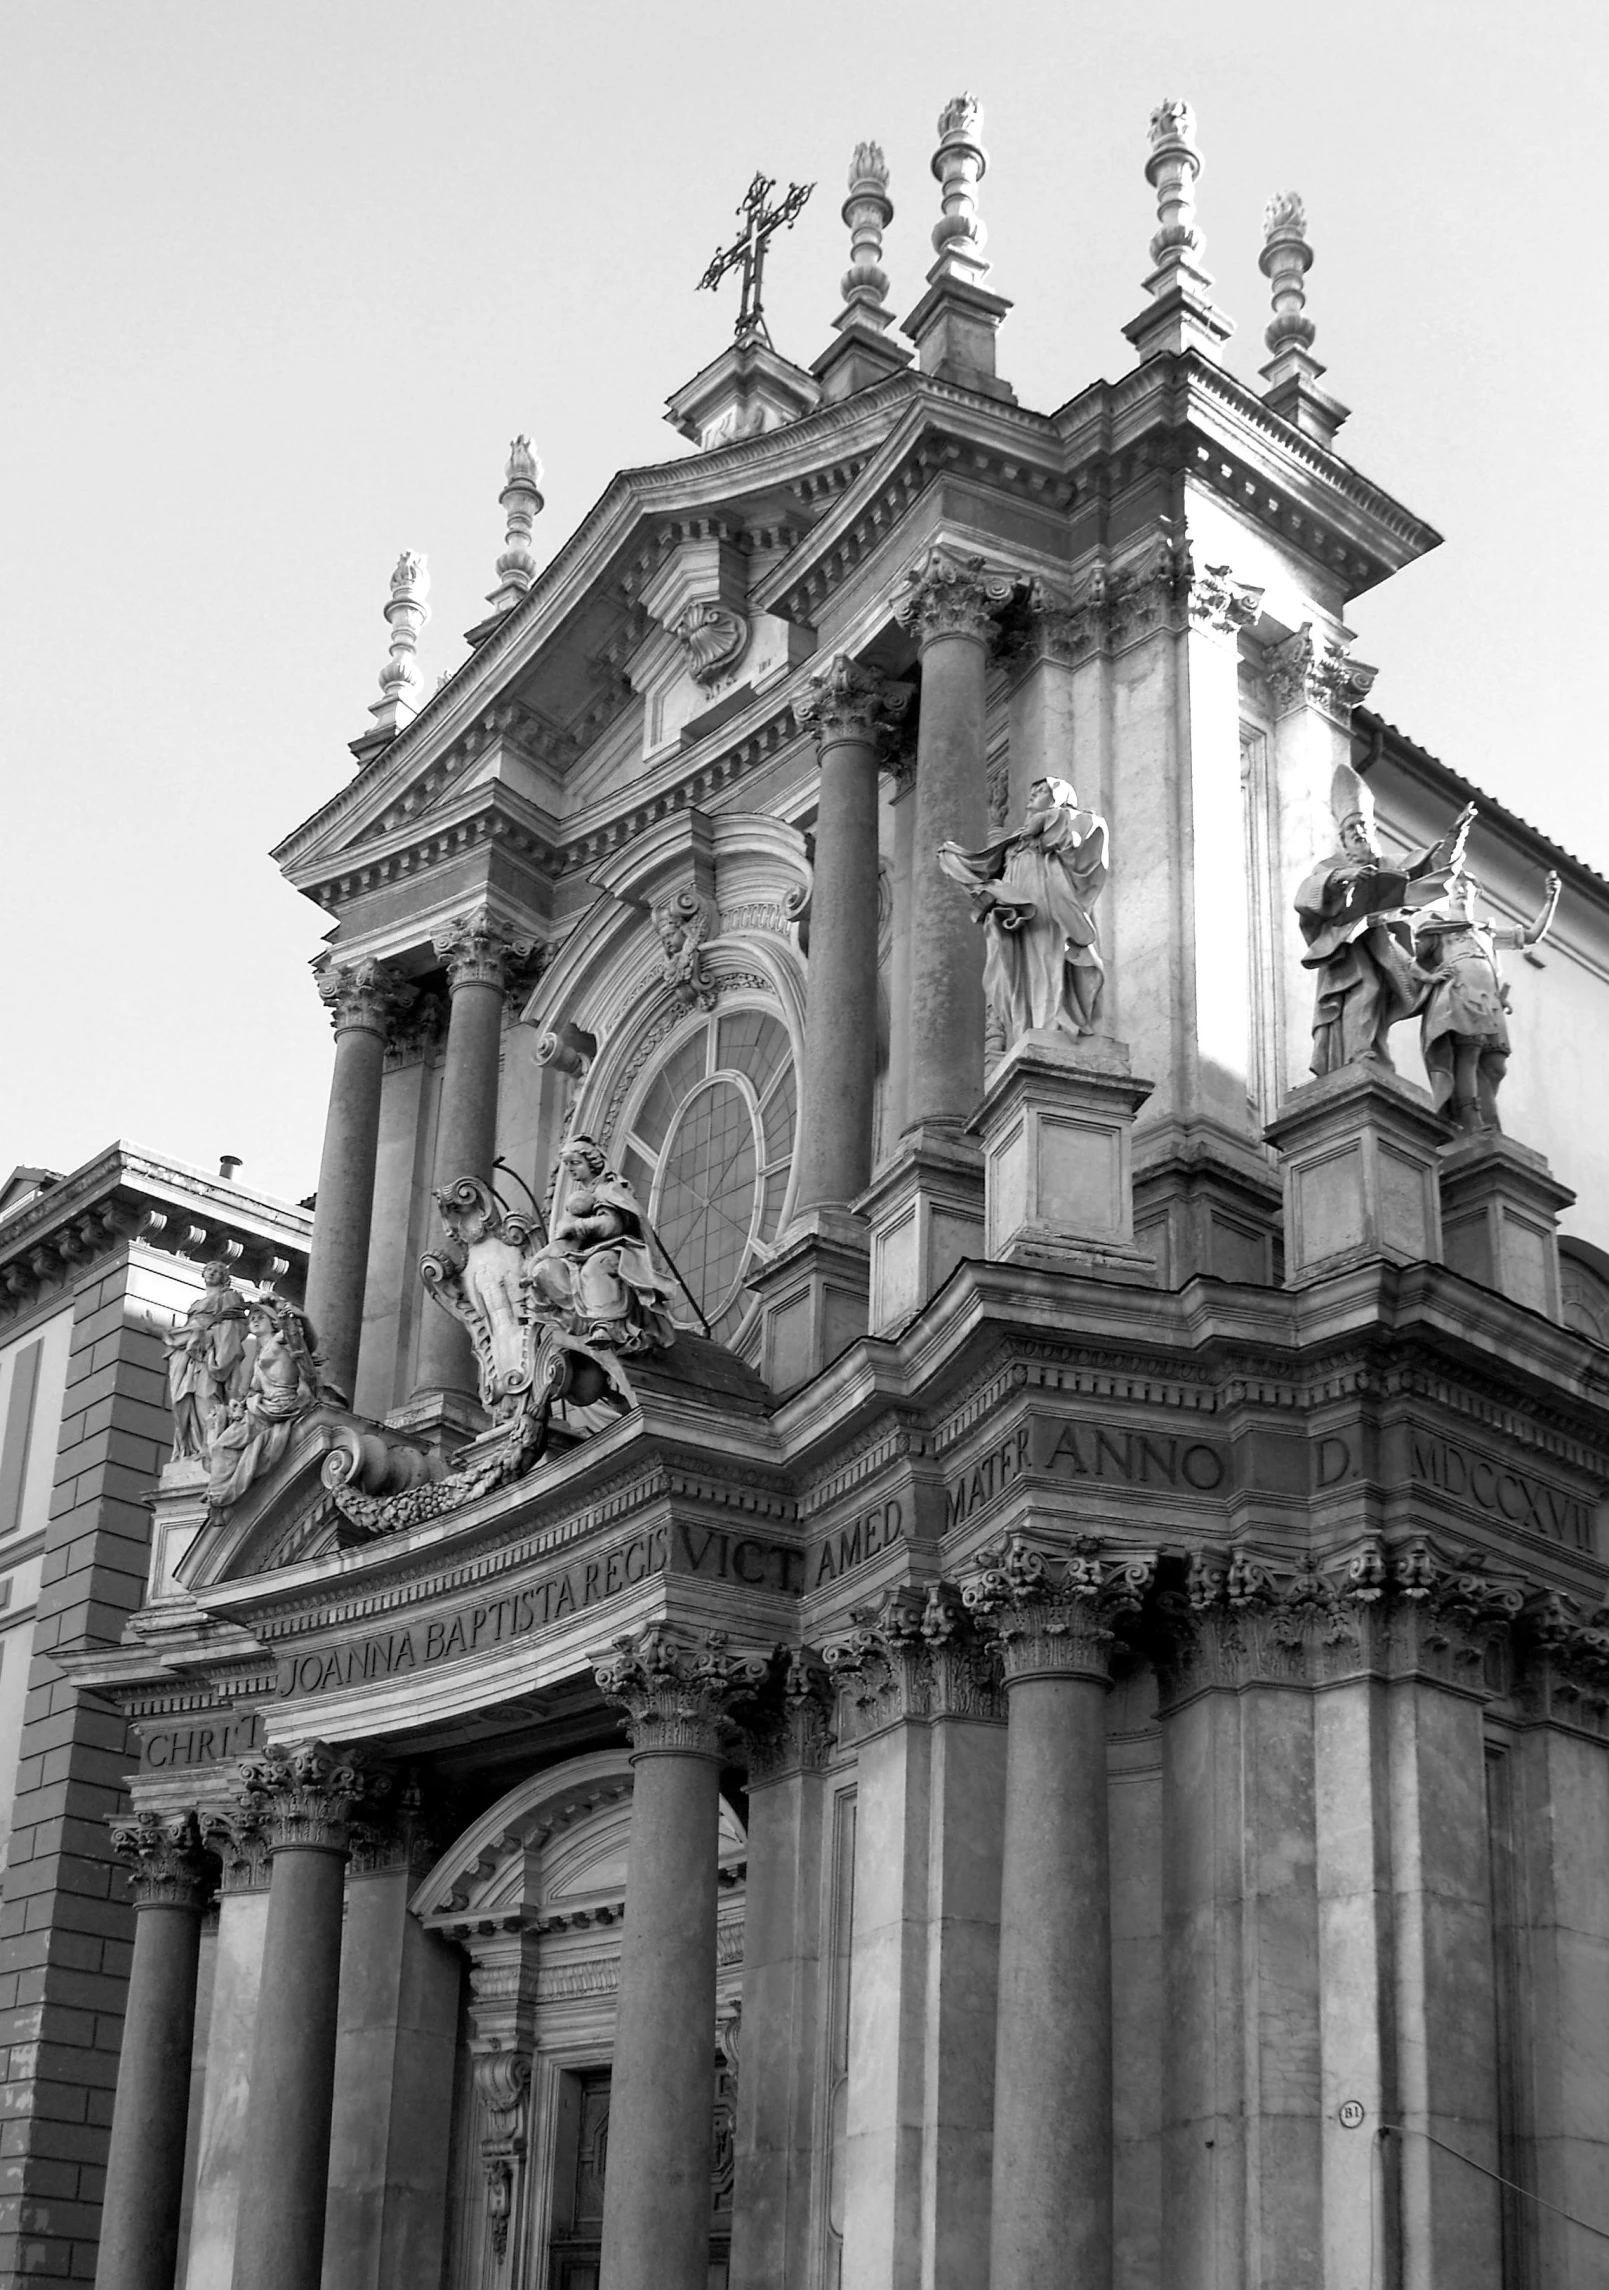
1034	893
597	1275
206	1363
1463	1030
1355	912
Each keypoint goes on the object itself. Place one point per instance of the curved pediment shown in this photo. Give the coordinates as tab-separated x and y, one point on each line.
553	1852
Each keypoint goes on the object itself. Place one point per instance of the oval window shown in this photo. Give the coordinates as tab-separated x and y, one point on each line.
709	1147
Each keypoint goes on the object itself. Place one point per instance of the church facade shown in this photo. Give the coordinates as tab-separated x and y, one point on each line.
921	1601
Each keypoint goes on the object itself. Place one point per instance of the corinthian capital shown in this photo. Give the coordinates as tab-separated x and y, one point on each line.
1054	1614
477	950
307	1795
950	594
678	1694
845	701
1304	674
168	1867
365	995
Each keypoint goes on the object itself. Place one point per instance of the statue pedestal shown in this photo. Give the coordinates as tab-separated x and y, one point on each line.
1500	1206
814	1296
1058	1182
925	1209
178	1514
1360	1152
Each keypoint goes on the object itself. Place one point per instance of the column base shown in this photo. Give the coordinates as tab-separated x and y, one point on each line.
814	1295
1055	1127
925	1209
1206	1204
1500	1206
1360	1153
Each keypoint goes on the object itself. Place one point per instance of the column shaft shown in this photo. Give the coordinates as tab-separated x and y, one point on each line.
339	1259
944	1077
466	1146
145	2170
279	2233
1052	2193
840	1059
656	2224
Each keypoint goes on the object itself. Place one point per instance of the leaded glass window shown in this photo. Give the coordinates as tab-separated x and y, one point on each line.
709	1147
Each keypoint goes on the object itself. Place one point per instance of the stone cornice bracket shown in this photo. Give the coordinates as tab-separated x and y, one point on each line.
477	950
684	919
679	1693
844	701
1054	1615
365	996
949	593
1182	314
521	504
502	2085
406	614
1292	373
916	1653
168	1866
236	1837
791	1729
304	1798
1302	674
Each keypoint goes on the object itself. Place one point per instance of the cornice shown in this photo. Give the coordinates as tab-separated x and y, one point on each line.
633	496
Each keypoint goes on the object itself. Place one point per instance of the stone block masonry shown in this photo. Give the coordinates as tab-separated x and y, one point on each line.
66	1929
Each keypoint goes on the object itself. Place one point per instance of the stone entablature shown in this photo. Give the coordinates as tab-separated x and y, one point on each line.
1269	1428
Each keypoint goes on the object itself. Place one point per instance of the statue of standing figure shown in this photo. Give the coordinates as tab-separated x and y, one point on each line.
1034	892
597	1273
206	1363
1355	911
1463	1029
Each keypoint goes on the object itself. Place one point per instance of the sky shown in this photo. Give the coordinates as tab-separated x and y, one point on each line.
281	283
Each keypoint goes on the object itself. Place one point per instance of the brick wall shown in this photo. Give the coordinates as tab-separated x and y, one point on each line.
66	1929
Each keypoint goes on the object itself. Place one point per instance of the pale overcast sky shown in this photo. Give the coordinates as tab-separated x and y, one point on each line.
282	282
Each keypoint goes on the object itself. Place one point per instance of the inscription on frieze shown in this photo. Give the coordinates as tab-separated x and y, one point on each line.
866	1536
205	1741
1519	1497
747	1560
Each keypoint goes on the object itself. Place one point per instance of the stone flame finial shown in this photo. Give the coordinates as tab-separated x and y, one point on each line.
1181	315
960	163
407	612
868	211
1292	373
521	503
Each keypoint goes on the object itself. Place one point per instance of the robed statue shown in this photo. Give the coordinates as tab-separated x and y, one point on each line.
1356	914
281	1385
1463	1029
597	1271
1034	893
206	1363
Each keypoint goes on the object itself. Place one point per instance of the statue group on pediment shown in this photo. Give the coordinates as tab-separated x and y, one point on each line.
1390	940
242	1373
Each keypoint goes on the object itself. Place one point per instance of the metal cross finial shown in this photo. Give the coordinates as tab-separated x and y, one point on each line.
760	224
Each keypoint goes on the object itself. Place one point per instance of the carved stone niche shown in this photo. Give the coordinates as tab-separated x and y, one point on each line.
708	646
534	1893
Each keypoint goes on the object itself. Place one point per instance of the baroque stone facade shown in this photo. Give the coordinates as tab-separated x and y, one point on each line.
938	1645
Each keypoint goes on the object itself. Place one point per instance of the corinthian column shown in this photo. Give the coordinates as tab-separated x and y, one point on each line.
362	998
169	1881
850	709
656	2205
302	1800
1052	2178
481	958
949	604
